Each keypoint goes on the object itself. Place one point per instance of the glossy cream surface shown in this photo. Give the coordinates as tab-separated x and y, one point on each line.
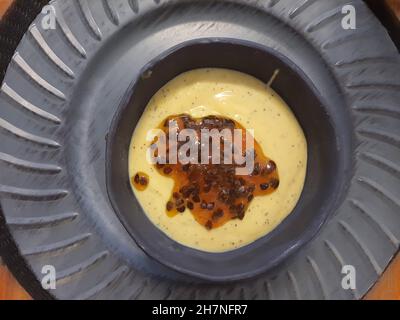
254	105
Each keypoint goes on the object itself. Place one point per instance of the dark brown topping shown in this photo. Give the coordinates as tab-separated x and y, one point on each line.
176	195
207	188
256	170
209	225
190	205
186	191
167	170
140	181
181	209
210	205
269	168
274	183
214	193
143	181
252	187
218	214
241	190
264	186
160	165
170	205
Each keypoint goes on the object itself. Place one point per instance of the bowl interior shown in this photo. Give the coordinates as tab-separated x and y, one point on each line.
324	168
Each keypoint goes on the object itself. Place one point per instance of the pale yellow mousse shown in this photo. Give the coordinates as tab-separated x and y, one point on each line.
254	105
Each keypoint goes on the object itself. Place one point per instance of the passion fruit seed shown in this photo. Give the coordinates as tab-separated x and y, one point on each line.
218	214
190	205
274	183
167	170
264	186
170	205
143	181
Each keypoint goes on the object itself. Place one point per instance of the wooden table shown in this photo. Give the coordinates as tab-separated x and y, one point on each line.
10	288
388	287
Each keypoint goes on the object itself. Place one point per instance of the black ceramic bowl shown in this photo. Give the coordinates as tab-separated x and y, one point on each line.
324	167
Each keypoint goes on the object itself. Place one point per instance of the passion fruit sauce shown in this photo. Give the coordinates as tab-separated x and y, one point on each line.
213	192
140	181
